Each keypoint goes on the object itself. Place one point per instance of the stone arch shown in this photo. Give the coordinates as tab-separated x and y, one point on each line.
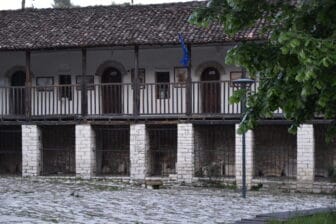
200	68
12	70
114	64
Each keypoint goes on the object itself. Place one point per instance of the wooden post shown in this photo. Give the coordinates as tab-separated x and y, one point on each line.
23	4
136	86
83	85
189	86
243	73
28	85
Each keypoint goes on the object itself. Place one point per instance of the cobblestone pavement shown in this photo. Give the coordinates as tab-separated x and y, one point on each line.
68	201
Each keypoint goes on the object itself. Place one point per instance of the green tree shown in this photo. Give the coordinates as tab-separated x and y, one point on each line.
62	4
296	62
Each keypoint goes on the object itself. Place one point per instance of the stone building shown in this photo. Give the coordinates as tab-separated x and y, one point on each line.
100	91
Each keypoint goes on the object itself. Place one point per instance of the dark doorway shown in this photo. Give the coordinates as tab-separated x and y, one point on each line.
17	93
162	155
111	91
58	150
112	150
214	150
324	155
10	150
274	153
210	91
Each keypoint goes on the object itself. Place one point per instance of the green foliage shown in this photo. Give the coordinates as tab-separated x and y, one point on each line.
325	218
62	4
295	65
332	174
256	187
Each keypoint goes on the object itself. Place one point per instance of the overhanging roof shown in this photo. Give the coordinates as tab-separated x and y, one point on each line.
102	26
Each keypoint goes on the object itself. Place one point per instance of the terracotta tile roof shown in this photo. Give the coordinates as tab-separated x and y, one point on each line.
108	26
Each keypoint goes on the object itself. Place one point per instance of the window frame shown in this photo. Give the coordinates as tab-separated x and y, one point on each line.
64	88
141	76
89	84
44	88
180	81
161	86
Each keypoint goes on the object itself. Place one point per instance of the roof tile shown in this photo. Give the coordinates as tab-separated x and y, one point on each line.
109	26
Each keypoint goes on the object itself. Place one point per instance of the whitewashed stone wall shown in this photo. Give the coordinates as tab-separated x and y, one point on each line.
305	156
138	151
85	151
249	158
31	150
185	153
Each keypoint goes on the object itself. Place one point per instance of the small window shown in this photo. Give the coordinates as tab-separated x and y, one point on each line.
162	87
89	79
44	83
65	86
142	77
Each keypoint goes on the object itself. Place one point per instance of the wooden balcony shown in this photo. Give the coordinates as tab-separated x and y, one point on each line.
119	101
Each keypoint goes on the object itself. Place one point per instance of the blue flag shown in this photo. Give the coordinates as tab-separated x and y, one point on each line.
186	58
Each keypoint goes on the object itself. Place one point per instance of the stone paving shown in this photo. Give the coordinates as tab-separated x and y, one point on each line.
44	200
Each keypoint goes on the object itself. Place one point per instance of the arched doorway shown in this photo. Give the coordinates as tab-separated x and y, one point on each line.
111	91
210	90
17	93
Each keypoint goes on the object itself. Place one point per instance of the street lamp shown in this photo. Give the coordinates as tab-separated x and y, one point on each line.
245	84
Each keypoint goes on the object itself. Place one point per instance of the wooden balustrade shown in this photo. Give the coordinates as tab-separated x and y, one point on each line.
116	100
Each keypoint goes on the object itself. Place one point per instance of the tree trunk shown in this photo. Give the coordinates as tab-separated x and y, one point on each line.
23	3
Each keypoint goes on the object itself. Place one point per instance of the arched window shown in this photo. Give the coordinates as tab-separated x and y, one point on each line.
17	95
211	91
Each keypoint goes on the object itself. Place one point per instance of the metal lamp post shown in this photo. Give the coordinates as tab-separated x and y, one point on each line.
243	83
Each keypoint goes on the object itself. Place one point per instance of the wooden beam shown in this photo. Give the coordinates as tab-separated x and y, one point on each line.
136	85
28	85
84	84
189	86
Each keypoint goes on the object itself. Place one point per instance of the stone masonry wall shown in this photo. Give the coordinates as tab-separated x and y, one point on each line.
138	151
305	157
31	150
85	155
249	158
185	152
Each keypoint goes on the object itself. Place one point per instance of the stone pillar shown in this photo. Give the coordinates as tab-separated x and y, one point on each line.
305	157
185	166
138	151
249	158
85	151
31	150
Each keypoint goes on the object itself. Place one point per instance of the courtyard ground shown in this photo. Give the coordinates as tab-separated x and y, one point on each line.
45	200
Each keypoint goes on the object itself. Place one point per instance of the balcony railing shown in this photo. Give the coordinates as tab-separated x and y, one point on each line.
116	100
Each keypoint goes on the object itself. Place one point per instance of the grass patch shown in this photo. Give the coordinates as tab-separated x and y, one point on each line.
322	218
256	187
219	185
84	183
53	220
105	188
